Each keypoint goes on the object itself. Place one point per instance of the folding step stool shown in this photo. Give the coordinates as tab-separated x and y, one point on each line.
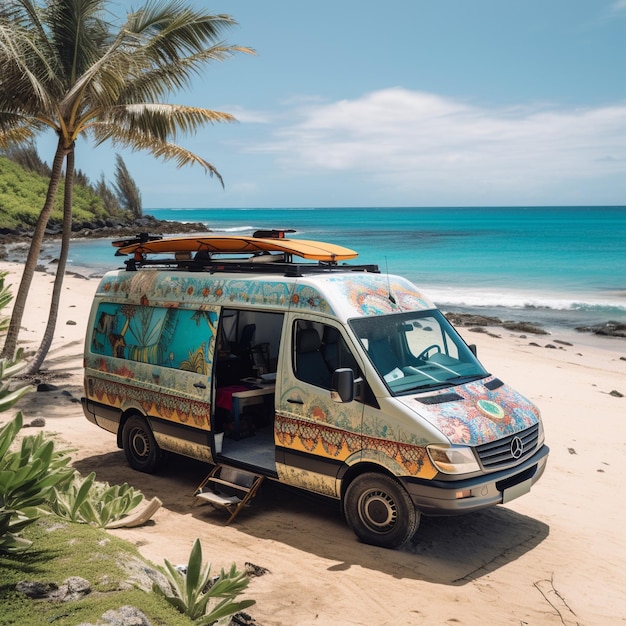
229	488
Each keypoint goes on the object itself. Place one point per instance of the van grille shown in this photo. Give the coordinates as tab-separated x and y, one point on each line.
496	454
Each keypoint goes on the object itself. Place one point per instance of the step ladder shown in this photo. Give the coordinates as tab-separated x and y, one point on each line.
228	488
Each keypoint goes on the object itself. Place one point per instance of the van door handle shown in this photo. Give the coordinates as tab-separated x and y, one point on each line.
294	401
200	385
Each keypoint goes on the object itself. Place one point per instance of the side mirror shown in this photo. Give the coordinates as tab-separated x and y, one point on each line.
342	389
473	349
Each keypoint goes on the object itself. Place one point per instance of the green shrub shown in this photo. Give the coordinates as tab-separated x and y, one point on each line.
87	501
5	297
27	477
195	587
15	513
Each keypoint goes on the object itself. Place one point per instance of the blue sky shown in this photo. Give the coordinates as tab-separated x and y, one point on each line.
403	103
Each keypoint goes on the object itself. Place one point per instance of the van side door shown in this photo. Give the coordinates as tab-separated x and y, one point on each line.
315	434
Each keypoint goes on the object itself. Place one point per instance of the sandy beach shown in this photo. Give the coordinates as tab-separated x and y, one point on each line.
553	557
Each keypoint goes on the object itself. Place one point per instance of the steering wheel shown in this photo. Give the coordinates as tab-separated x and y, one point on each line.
424	355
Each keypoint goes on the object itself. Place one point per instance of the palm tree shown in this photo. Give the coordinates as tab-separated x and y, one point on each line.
66	65
126	190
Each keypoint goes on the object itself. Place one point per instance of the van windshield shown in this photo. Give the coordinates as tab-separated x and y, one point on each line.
417	351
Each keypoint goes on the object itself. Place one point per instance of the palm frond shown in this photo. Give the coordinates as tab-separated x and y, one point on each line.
27	73
15	137
160	80
65	64
169	29
78	33
160	122
181	156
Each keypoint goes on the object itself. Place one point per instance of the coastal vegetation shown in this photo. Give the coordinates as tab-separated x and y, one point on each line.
126	191
113	571
97	208
23	192
47	508
38	476
76	69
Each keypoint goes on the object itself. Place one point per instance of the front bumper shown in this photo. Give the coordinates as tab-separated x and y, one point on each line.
451	497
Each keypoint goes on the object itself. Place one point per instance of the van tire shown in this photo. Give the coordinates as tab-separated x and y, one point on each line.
140	447
380	511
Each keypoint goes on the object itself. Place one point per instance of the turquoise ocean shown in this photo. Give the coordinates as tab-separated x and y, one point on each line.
558	266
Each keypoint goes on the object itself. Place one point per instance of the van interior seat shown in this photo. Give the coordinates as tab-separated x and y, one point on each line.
330	347
336	353
383	355
246	339
310	364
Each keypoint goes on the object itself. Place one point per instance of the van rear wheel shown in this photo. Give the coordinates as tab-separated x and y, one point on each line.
140	446
380	511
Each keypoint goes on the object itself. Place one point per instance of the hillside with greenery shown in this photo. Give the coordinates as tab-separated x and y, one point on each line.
99	210
23	193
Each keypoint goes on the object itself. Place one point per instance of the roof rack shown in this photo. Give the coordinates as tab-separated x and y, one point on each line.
288	268
267	251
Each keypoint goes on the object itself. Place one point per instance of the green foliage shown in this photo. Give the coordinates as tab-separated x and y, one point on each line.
114	568
8	369
28	157
9	396
5	297
126	190
11	525
88	501
194	589
111	205
23	193
27	477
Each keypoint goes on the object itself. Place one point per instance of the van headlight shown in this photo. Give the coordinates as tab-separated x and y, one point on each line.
453	459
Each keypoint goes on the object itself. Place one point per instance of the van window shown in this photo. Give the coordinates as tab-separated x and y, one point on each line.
319	349
176	338
248	345
417	351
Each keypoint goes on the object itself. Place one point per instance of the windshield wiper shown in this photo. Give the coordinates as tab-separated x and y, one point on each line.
438	384
425	387
469	378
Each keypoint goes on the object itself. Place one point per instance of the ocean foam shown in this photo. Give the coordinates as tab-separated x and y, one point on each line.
527	301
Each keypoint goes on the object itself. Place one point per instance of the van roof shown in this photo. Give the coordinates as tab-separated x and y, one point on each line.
341	294
258	270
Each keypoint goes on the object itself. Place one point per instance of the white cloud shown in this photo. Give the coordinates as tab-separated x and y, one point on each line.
412	141
248	116
619	6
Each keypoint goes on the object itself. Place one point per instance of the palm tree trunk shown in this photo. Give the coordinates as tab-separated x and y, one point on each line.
10	343
42	352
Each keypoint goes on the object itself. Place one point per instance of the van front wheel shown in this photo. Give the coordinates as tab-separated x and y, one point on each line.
380	511
140	447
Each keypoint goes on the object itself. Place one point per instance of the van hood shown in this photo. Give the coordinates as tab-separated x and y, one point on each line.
475	413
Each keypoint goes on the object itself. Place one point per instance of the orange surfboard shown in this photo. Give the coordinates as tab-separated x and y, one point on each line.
304	248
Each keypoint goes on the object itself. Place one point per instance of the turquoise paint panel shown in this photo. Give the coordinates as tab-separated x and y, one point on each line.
168	337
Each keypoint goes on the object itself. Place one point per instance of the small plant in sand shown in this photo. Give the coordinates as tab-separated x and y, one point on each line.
27	478
194	588
87	501
5	298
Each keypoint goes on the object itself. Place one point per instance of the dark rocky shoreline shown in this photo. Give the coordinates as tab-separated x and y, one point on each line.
478	323
100	228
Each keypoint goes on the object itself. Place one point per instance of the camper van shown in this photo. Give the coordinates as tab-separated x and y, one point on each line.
283	357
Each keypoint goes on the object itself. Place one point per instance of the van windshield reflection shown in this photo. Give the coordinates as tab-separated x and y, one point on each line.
417	351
